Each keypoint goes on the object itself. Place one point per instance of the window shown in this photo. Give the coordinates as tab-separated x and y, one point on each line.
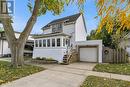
64	42
68	42
53	42
36	43
44	43
48	42
58	42
40	43
56	28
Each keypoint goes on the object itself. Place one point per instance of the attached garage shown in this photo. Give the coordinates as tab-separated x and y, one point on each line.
88	53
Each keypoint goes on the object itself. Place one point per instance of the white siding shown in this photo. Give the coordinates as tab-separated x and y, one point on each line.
70	30
5	48
47	31
55	53
80	30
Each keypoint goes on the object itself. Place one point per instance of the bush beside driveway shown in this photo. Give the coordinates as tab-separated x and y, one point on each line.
123	69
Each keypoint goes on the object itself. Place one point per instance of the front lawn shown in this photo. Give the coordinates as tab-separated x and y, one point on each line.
8	73
93	81
113	68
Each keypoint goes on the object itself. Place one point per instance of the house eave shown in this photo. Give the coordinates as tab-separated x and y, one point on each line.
49	35
65	23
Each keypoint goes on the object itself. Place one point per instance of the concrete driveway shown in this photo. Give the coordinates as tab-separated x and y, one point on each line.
55	76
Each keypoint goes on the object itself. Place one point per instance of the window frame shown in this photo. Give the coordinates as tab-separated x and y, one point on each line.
53	44
44	44
36	43
58	42
57	27
40	43
48	43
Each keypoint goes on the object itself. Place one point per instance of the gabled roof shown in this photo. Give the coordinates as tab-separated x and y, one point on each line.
71	18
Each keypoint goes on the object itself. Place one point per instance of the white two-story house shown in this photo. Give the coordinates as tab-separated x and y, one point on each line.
60	36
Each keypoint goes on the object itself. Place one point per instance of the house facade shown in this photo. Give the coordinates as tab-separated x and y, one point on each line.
59	37
5	49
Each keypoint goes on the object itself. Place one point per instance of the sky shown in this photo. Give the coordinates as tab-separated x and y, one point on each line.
22	14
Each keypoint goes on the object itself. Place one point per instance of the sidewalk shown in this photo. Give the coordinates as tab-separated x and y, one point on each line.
62	76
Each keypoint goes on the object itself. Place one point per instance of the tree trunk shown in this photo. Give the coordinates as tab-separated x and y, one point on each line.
17	51
17	44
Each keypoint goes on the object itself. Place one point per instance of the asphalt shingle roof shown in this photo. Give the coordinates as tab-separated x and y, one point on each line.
71	18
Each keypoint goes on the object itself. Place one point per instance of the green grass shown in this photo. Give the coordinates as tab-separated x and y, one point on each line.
8	73
113	68
93	81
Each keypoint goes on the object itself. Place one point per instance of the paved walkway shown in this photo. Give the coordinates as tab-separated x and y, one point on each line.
71	75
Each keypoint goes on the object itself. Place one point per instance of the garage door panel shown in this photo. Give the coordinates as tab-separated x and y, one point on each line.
88	54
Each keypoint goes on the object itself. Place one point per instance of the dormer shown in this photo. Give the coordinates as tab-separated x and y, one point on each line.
57	28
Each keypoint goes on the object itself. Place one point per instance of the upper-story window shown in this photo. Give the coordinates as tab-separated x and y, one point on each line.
44	43
36	43
58	42
57	28
40	43
48	42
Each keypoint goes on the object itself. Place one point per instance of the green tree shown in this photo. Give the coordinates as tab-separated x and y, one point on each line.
102	35
37	8
111	40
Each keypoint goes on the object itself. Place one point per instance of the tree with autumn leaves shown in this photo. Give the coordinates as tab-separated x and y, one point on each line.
114	10
115	16
106	10
37	8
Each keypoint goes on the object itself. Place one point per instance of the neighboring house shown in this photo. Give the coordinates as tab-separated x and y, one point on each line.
63	35
126	43
5	49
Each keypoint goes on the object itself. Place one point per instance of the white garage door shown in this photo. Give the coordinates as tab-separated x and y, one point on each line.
128	50
89	54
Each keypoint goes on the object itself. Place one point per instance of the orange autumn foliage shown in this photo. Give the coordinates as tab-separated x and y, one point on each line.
114	10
